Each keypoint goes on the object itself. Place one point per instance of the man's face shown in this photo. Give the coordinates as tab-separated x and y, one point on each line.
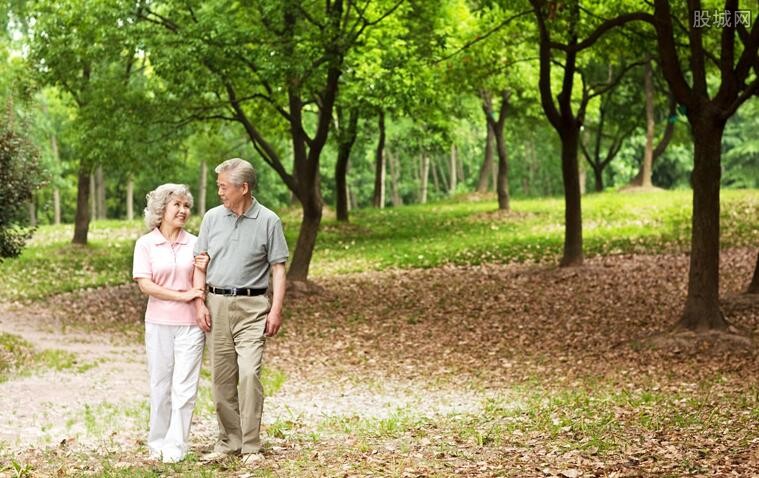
231	194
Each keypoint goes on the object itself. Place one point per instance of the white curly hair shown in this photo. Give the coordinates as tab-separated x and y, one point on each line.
159	198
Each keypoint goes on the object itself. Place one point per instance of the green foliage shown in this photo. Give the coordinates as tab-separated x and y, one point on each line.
19	178
740	146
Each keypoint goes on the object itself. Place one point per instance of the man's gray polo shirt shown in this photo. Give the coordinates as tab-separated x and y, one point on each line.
242	248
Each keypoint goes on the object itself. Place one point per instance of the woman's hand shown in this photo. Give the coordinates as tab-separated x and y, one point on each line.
201	261
192	294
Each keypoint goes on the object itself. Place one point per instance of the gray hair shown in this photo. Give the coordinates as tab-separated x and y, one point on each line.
239	171
159	198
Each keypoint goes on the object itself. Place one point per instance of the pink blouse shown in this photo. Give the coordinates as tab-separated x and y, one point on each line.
170	266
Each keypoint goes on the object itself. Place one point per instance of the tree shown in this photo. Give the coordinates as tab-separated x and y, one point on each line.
651	153
250	61
566	18
19	178
615	122
346	132
708	107
92	53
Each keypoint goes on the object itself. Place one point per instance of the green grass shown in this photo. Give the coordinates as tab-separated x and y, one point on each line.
455	231
19	358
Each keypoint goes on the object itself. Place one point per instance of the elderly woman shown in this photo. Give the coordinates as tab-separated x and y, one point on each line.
164	268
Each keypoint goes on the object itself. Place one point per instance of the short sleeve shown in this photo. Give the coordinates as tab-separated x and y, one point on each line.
141	267
276	244
201	244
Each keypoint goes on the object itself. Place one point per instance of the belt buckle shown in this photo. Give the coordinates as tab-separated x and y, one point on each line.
234	291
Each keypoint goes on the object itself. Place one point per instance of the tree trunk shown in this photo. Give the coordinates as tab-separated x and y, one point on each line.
57	206
130	199
56	158
32	212
753	287
425	172
702	309
648	155
100	181
341	184
454	171
202	188
82	218
572	197
395	174
487	164
309	227
598	174
532	164
352	199
346	138
502	186
378	200
497	125
439	176
92	198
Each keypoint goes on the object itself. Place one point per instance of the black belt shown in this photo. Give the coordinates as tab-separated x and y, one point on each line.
236	291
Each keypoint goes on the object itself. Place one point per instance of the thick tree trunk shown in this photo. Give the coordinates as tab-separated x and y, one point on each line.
378	199
572	197
202	188
424	175
82	218
100	181
453	171
753	287
395	175
702	309
598	174
309	227
130	199
346	138
56	206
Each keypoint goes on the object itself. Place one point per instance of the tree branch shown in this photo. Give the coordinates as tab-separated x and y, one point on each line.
483	37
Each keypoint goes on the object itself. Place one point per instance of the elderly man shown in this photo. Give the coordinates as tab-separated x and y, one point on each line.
240	243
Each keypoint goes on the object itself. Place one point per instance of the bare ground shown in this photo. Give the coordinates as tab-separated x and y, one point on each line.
428	354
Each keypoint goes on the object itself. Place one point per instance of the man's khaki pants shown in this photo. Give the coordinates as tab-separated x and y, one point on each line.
236	345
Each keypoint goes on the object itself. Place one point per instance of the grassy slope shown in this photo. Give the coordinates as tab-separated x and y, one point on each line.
455	231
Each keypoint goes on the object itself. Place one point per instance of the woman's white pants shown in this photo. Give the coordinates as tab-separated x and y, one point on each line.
174	357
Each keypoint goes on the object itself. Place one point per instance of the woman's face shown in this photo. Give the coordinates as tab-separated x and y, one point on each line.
177	211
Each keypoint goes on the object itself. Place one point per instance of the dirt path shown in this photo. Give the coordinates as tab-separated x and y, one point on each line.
102	400
49	406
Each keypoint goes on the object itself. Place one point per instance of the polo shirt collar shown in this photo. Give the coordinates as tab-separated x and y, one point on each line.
157	238
252	211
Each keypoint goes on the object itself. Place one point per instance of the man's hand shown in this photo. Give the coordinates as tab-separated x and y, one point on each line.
201	261
273	323
204	317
